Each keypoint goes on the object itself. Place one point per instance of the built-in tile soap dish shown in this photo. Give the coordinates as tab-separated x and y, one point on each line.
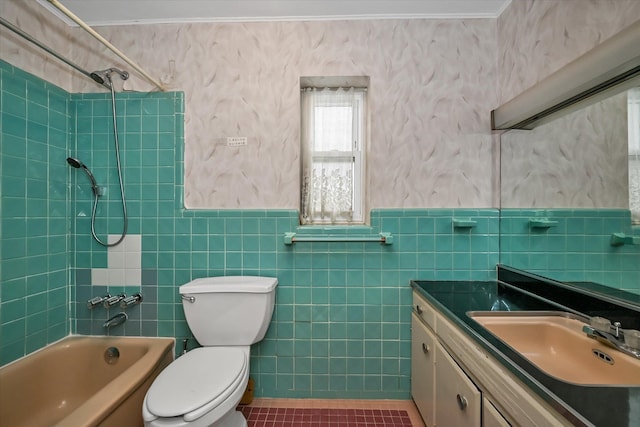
542	223
619	239
463	223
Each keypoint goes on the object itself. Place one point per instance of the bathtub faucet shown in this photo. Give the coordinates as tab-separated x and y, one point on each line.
116	320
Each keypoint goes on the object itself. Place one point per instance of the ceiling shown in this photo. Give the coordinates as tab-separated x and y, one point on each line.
120	12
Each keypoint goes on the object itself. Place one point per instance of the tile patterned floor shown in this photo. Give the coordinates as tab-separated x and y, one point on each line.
331	413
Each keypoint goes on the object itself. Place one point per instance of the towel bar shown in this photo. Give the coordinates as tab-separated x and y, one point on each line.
291	238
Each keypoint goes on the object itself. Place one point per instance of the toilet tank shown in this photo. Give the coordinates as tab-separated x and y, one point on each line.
229	310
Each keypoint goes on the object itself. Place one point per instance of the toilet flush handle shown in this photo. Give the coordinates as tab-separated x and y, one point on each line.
189	298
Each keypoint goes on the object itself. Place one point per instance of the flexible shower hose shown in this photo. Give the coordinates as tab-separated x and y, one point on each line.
119	166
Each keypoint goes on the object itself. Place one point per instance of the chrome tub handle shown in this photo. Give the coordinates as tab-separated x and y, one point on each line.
131	300
110	302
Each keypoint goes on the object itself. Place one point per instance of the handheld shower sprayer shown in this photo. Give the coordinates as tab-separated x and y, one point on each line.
79	165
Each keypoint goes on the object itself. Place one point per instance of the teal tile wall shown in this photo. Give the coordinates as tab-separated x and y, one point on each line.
341	327
150	130
34	213
575	249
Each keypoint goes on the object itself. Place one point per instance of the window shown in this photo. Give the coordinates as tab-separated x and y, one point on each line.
633	103
333	154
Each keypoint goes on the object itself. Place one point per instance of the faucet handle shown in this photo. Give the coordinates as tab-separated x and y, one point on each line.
600	323
632	338
131	300
96	301
111	301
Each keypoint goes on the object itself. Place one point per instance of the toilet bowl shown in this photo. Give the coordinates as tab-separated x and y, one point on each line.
204	386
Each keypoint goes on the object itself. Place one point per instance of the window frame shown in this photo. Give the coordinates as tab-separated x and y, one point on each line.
357	155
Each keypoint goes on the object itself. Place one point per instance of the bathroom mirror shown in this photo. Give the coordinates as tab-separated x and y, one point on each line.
574	173
578	161
564	182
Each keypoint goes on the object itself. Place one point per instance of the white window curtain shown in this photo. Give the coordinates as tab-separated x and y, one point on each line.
633	104
331	155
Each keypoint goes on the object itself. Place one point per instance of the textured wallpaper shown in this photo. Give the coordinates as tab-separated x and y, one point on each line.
537	37
433	84
430	95
36	21
579	161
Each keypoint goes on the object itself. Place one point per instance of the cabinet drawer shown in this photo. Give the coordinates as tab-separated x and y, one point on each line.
424	310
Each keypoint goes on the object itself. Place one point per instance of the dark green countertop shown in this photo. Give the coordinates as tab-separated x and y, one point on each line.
584	405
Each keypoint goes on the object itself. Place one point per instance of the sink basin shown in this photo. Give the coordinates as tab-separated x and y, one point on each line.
557	346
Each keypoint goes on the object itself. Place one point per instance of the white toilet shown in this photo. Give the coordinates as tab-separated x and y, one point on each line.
203	387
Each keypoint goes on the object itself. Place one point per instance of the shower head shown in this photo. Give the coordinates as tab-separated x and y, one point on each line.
103	75
79	165
97	78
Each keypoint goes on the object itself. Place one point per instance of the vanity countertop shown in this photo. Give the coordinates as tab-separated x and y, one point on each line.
582	405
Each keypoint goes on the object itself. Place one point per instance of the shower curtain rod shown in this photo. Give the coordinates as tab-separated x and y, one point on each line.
46	48
105	42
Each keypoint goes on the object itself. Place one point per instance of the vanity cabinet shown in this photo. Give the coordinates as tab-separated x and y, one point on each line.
459	400
456	382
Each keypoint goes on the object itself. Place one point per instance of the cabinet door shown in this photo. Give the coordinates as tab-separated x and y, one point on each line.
459	401
423	370
491	417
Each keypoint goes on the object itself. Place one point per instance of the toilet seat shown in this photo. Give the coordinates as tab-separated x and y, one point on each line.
196	383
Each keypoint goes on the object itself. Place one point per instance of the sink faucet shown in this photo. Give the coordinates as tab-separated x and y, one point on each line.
116	320
613	339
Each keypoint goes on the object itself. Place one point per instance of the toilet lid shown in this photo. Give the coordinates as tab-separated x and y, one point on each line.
195	379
